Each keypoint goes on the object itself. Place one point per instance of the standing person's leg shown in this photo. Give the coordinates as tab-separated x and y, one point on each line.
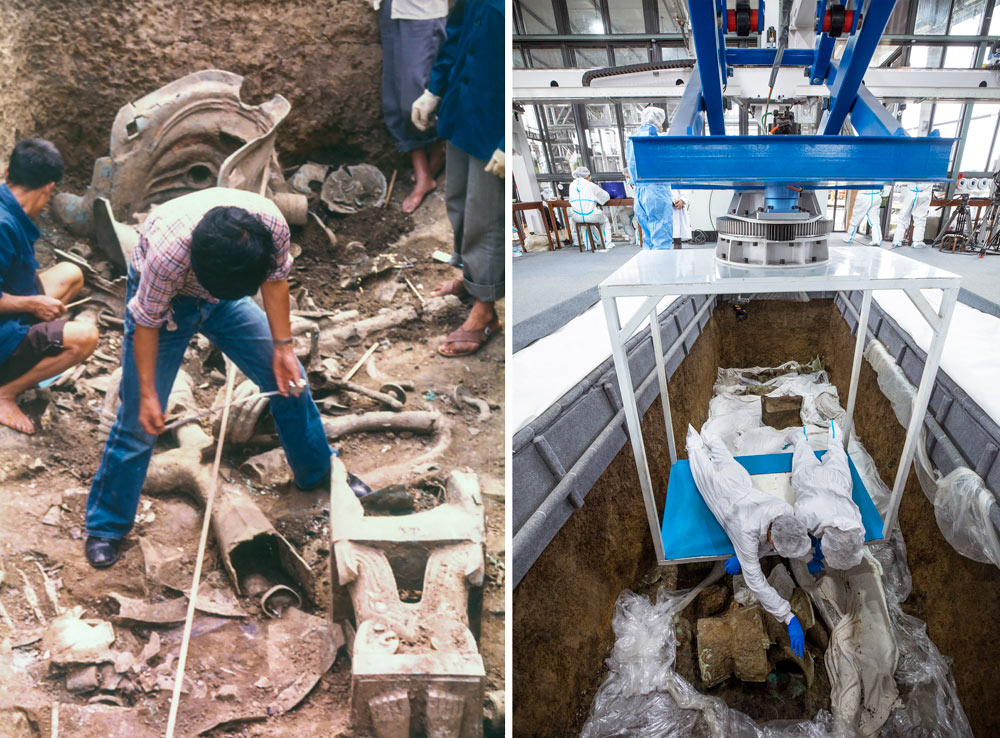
114	494
479	244
857	217
904	220
418	42
874	221
240	329
456	186
920	212
641	213
395	117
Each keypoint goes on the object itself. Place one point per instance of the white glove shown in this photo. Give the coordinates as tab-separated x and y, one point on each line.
497	164
423	109
376	4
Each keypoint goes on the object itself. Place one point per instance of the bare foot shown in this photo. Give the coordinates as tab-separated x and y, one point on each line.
416	196
481	323
454	286
435	162
12	417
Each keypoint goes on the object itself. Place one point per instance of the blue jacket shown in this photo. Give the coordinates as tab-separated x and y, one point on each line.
468	76
17	267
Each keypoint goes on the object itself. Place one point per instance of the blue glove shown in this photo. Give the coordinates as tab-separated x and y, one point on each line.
796	636
816	565
733	565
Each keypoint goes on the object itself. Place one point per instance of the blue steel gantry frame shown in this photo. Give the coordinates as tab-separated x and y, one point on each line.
880	153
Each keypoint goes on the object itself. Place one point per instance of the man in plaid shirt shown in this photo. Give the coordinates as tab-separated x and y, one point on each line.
198	260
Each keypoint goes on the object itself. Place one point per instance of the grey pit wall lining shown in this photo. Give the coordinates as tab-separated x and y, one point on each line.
560	455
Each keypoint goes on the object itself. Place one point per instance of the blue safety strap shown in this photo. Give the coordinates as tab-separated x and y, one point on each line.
580	199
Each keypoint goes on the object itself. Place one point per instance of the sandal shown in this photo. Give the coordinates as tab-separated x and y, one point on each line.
479	338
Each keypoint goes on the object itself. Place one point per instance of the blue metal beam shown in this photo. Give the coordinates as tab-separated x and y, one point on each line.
853	64
765	57
815	161
821	59
870	118
689	120
709	50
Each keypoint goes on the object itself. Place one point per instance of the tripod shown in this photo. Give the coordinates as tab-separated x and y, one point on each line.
961	234
987	236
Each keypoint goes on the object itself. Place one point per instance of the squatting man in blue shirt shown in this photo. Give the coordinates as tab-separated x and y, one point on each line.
37	341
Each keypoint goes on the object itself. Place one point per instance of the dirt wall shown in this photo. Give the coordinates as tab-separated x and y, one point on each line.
775	331
563	606
66	68
13	116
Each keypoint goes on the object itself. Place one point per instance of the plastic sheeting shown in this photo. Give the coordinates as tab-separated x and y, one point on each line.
862	653
962	509
644	697
962	502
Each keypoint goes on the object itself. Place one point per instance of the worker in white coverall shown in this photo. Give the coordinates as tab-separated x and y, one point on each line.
823	502
682	216
916	204
585	200
867	204
653	200
754	521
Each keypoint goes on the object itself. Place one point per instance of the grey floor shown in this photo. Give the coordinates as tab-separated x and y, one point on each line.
543	279
979	276
550	288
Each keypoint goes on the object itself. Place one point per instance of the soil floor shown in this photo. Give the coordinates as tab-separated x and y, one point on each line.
44	482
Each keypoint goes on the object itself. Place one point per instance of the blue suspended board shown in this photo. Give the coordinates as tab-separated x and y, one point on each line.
745	162
690	530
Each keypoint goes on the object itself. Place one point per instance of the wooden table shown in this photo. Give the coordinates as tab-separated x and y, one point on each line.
520	207
564	206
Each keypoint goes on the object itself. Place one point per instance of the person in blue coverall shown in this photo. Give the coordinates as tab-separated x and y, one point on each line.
36	339
654	202
466	89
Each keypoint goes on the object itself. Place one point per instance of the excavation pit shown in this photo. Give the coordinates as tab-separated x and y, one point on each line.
563	605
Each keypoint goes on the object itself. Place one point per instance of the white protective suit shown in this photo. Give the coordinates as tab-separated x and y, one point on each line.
682	217
867	204
745	513
916	204
585	200
823	487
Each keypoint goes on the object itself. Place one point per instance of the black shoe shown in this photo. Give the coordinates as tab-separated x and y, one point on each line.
102	552
359	488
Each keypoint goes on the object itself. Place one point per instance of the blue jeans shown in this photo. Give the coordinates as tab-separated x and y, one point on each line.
240	329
